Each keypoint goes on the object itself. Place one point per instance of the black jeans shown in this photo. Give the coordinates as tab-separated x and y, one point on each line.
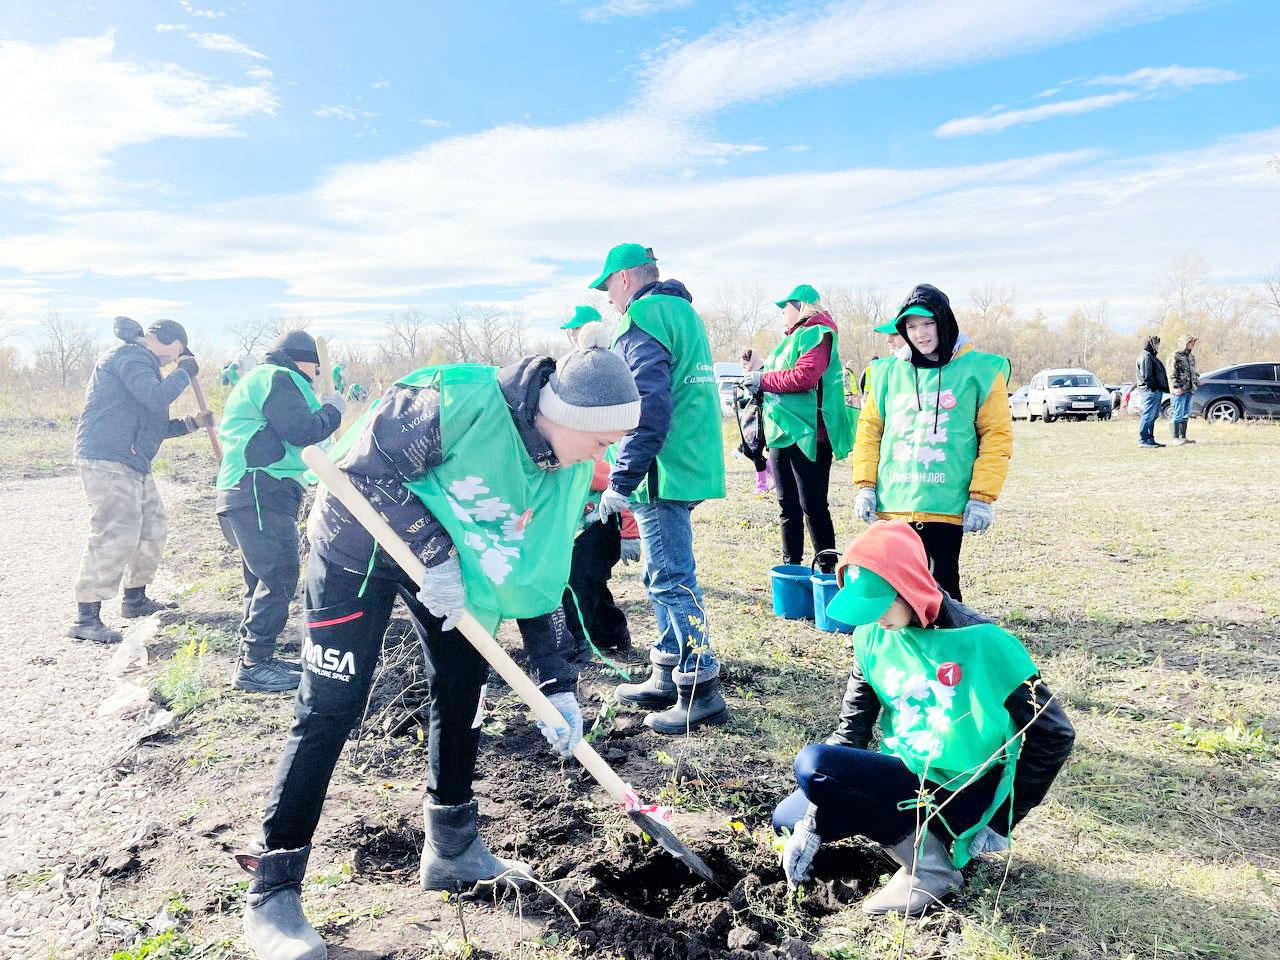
802	495
942	544
269	560
859	791
588	603
344	641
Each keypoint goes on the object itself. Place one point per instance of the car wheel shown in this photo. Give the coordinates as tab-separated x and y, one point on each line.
1048	417
1223	411
1031	417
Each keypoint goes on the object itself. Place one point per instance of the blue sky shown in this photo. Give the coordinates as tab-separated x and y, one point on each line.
218	162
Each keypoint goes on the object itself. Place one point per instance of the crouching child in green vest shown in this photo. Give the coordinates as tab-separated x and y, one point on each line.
270	415
972	738
483	471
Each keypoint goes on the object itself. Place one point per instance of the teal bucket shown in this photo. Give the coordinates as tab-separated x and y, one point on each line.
792	591
824	588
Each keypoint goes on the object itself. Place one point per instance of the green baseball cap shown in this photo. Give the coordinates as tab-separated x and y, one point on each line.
804	293
863	599
581	317
623	257
914	312
891	327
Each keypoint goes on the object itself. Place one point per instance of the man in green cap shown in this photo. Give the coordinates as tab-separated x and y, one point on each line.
971	737
581	317
670	463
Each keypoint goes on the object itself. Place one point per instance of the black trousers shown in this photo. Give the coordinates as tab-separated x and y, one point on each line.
859	791
942	544
269	561
802	496
344	641
587	600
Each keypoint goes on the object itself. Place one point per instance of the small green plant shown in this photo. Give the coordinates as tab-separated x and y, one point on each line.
1233	739
323	881
168	945
605	720
186	681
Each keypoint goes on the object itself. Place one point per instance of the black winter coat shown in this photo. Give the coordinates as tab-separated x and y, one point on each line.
1150	372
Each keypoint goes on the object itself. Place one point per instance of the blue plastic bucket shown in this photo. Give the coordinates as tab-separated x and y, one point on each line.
824	589
792	591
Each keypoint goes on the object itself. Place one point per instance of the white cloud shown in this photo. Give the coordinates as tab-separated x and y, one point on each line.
380	84
137	307
208	14
773	55
336	111
994	122
221	43
169	27
1156	78
434	124
70	105
628	8
259	73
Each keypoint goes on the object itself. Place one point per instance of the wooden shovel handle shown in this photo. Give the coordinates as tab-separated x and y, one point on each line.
198	391
326	368
342	488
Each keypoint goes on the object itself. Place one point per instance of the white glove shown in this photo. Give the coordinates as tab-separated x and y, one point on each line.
443	593
751	380
631	551
564	739
335	400
864	505
611	504
987	840
978	516
799	850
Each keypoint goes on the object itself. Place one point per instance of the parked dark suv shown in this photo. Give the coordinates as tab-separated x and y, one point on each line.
1247	390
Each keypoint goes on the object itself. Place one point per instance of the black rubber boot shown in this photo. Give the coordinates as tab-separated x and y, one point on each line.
657	691
270	676
455	858
136	603
274	925
696	704
88	625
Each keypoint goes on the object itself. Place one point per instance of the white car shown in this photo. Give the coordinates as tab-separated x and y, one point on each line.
728	376
1067	392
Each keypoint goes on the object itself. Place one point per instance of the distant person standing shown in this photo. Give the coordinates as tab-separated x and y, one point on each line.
1185	380
1150	375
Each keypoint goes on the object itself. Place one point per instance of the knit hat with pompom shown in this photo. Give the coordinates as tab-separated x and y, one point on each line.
591	388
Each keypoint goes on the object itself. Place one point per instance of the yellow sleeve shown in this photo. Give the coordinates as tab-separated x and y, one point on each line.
866	444
995	443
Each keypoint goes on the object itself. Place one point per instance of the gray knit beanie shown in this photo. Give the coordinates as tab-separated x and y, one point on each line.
591	388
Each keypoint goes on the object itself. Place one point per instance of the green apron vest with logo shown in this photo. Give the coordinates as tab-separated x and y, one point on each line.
691	462
242	418
943	693
930	437
792	418
512	522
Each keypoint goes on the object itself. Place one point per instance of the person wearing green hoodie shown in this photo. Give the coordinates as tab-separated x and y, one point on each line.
806	421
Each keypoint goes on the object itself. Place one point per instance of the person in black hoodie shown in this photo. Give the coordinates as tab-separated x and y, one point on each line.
1154	380
270	415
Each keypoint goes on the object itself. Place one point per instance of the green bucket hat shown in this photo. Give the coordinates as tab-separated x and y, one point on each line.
863	599
623	257
804	293
581	317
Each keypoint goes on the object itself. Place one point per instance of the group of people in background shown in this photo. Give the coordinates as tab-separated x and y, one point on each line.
1152	377
520	487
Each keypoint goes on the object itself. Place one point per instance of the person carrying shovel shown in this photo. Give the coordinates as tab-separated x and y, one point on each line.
270	415
483	472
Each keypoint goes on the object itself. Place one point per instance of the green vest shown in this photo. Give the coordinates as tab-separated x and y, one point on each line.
512	522
242	418
930	437
943	693
792	418
691	462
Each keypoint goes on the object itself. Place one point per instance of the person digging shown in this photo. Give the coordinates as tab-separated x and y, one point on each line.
483	471
971	737
125	419
270	415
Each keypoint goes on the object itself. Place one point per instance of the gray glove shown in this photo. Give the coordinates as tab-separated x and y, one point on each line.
978	516
443	593
564	739
800	847
987	840
864	505
751	380
187	364
611	504
631	551
335	400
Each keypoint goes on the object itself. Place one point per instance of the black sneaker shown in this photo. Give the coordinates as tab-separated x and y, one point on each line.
270	676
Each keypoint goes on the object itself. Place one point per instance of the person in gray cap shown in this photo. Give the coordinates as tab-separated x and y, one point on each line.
125	419
270	415
483	471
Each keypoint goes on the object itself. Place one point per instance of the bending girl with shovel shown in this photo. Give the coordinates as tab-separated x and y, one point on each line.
483	471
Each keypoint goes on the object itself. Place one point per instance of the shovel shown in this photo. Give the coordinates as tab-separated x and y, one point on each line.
342	488
209	428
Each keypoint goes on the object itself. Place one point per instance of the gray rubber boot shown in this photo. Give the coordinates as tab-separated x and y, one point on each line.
455	858
274	925
657	691
696	704
935	878
136	603
88	625
271	676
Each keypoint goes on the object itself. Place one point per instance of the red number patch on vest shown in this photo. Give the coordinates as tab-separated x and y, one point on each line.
949	674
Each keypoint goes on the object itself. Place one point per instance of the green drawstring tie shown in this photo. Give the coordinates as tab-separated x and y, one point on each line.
257	504
622	672
373	554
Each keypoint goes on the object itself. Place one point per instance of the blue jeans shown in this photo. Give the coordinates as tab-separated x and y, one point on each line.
1180	408
1150	410
666	537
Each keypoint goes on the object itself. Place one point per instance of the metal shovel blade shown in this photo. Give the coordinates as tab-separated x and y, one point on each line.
669	842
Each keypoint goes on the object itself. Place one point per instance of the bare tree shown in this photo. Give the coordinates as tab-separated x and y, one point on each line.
1085	329
406	339
65	349
258	332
